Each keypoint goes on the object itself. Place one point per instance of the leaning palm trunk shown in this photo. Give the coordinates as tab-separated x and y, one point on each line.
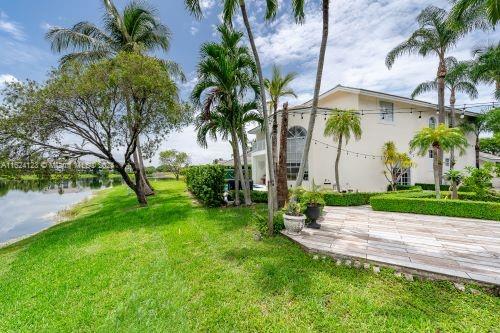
246	176
317	87
272	199
337	160
435	167
282	177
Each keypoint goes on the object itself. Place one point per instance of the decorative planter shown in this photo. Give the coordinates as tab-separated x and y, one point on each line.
313	213
294	224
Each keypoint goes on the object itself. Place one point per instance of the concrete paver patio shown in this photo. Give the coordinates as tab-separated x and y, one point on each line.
455	248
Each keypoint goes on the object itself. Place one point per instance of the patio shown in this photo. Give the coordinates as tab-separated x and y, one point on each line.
432	246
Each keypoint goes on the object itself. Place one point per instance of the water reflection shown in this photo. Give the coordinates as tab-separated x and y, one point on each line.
28	206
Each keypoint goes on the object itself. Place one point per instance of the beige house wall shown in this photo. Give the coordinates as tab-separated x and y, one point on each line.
357	172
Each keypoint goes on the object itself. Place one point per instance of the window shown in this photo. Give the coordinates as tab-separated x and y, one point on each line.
431	154
447	161
449	120
405	177
432	122
296	139
386	111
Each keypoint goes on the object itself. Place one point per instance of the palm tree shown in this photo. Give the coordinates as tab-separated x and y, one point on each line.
340	126
282	170
277	87
396	163
433	36
479	10
229	10
455	178
317	87
439	139
226	74
476	125
136	29
486	67
457	80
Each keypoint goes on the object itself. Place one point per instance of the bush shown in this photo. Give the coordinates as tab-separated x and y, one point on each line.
430	187
348	199
257	196
206	182
418	203
260	223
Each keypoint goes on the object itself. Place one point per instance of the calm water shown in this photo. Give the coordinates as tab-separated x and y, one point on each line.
30	206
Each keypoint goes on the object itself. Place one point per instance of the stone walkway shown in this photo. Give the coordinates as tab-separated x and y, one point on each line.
454	248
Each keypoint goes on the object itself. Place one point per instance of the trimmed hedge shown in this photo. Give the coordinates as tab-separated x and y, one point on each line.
419	204
257	196
206	182
431	187
348	199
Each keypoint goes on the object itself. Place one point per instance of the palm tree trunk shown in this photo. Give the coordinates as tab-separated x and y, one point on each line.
234	145
246	176
477	148
317	87
282	177
435	167
275	137
452	124
337	160
271	198
441	118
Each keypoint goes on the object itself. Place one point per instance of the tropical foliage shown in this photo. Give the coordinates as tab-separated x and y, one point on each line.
340	126
440	139
396	163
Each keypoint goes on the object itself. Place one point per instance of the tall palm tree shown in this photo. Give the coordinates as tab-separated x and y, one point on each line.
433	36
317	86
341	125
440	138
278	86
136	29
457	80
226	75
488	10
229	11
486	66
476	125
282	167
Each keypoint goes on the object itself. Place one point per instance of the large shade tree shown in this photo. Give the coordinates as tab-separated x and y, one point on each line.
226	77
84	111
136	29
341	125
457	80
440	139
278	86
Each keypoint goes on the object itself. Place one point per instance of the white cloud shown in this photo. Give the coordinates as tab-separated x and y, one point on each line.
46	26
10	27
193	30
207	4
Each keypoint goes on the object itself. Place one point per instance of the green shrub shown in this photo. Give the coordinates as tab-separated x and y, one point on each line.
257	196
260	223
430	187
348	199
206	182
432	206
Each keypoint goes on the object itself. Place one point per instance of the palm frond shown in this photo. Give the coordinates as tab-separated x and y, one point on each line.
424	87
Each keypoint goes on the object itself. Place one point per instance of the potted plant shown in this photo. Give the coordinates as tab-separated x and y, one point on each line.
293	218
314	202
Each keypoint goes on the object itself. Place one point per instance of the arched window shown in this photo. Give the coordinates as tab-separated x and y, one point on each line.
296	138
432	122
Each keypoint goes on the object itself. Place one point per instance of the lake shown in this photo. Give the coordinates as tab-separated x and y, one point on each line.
29	206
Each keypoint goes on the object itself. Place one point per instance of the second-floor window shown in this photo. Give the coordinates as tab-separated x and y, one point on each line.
386	111
432	122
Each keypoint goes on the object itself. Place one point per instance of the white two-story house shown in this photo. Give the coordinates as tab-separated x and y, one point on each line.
384	117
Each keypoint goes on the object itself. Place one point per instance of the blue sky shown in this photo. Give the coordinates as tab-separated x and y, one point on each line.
361	34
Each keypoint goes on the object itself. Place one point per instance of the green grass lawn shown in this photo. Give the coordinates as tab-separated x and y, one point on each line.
177	267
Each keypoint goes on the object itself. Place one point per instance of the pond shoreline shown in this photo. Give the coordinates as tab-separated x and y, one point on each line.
58	218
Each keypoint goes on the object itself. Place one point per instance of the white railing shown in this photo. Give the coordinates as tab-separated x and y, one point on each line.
258	145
